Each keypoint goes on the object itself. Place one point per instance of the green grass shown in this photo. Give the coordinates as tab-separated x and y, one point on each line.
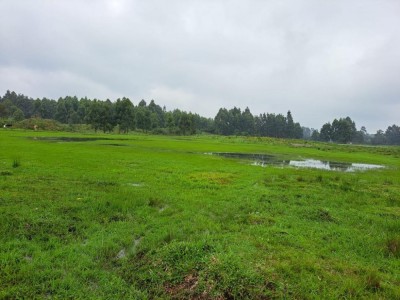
152	217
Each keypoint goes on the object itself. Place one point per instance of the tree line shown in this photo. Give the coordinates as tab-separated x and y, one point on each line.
344	130
237	122
106	116
123	116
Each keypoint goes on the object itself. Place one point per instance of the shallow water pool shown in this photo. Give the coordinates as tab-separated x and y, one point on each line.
264	160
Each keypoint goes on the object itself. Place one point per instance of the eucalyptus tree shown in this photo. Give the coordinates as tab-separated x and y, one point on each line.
223	122
325	134
124	115
143	117
392	134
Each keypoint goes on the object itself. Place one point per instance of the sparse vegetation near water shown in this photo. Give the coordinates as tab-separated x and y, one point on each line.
152	217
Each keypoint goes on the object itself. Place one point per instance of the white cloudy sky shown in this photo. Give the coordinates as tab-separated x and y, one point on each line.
319	59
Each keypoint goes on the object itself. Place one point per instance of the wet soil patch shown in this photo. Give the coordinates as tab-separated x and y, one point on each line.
254	158
247	156
116	145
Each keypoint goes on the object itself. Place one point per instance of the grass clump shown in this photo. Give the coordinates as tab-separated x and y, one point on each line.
6	173
16	163
392	246
324	215
319	178
373	281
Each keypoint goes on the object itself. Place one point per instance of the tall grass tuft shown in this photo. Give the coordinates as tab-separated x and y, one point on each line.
373	282
16	163
319	178
324	215
393	246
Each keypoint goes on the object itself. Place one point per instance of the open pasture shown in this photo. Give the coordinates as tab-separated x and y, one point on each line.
154	217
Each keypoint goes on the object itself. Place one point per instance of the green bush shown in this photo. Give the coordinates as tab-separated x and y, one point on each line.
41	124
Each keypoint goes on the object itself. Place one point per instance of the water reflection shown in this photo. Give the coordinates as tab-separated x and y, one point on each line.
334	166
264	160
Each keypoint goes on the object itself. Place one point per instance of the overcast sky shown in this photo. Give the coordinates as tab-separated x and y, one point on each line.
320	59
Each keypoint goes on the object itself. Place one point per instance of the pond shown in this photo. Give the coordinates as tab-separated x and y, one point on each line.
264	160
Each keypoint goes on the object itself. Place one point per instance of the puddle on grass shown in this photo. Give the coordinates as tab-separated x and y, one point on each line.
264	160
121	254
334	166
135	184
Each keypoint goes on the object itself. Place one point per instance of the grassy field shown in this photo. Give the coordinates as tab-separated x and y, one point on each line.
154	217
